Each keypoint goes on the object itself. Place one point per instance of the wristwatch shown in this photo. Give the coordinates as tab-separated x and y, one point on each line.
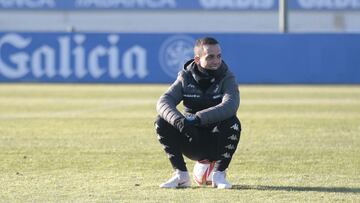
190	117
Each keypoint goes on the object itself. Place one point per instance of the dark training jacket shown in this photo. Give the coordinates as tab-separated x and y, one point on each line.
212	98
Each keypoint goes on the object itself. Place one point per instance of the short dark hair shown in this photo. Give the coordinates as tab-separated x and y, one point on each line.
204	41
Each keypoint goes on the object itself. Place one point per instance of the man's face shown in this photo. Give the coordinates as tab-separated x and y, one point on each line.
210	57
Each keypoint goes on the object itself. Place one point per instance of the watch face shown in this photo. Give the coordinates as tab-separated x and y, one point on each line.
191	117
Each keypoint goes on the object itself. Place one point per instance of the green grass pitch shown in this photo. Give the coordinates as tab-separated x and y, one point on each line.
96	143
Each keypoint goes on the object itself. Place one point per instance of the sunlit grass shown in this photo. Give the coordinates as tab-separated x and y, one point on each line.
96	143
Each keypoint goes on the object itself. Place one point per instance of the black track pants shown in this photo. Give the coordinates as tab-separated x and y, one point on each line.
217	142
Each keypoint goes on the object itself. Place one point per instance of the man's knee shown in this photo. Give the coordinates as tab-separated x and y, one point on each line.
162	126
231	124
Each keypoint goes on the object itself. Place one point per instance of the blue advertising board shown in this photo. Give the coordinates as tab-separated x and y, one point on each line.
139	4
179	4
156	58
324	4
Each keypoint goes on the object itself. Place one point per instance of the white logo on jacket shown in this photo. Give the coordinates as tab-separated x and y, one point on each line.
217	87
217	96
191	86
192	95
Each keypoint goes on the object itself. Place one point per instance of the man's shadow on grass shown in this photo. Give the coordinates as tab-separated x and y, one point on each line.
297	188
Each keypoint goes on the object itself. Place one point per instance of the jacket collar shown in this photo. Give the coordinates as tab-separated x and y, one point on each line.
199	72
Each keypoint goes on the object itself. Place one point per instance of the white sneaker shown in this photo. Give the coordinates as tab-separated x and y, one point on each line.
219	180
180	179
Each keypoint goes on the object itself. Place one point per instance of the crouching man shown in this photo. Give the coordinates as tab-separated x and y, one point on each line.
209	128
